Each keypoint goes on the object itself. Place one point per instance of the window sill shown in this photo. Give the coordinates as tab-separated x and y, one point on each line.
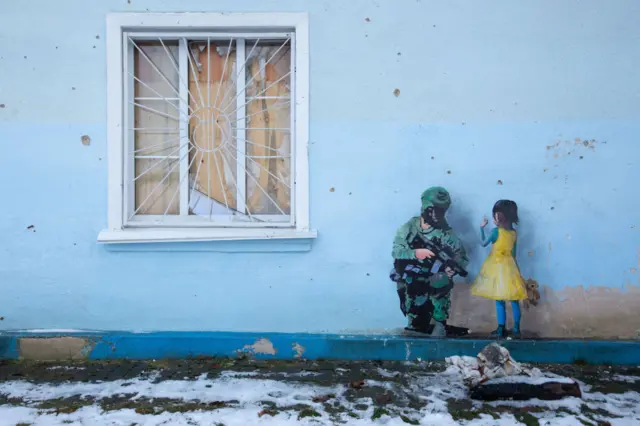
220	239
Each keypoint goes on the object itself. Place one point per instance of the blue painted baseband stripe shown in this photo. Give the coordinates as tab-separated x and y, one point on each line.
158	345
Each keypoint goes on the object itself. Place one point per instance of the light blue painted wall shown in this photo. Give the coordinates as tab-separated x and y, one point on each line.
485	87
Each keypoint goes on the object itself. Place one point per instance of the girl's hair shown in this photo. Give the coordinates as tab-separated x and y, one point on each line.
506	211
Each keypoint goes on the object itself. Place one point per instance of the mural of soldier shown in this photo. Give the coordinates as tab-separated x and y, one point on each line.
427	255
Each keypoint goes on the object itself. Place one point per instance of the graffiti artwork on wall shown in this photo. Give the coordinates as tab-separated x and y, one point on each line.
499	278
428	255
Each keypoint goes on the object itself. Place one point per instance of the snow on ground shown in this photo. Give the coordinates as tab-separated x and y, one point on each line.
321	395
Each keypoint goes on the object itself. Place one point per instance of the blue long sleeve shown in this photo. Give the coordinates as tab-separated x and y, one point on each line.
493	237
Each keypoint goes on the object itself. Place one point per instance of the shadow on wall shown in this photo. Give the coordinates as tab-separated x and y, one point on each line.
460	217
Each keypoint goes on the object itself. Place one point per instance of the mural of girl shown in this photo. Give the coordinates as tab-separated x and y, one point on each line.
499	278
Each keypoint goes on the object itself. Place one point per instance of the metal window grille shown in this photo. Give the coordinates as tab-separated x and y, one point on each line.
208	122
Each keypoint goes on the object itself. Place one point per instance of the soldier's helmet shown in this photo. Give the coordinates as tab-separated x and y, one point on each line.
436	197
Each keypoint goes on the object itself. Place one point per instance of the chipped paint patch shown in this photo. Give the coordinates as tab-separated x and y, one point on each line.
54	348
298	350
260	347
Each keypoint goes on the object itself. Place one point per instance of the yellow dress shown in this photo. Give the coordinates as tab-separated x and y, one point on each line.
499	277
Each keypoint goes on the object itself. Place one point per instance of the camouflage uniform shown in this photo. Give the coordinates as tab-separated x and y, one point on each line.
423	286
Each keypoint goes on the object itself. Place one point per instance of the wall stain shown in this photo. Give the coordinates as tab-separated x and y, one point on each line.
566	148
573	312
54	348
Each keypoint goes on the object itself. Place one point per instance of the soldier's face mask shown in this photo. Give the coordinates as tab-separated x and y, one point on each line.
434	216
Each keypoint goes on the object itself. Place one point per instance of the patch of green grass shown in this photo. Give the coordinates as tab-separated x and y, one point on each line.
379	412
243	356
159	364
608	387
308	412
528	419
409	420
353	415
67	410
465	415
592	412
463	410
64	405
160	405
214	361
144	410
334	408
115	404
5	400
185	407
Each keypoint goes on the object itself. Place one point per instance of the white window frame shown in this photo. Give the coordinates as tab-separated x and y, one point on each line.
119	229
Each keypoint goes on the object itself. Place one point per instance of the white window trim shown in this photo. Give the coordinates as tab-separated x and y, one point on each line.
117	24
